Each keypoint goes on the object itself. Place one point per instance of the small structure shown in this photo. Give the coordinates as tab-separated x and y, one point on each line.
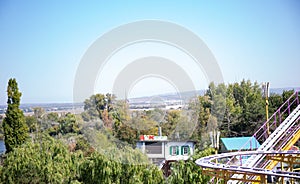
236	143
159	149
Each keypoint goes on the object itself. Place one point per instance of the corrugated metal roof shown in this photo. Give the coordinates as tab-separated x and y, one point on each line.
235	143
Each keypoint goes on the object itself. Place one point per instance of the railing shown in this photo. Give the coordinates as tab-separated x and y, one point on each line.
281	143
274	121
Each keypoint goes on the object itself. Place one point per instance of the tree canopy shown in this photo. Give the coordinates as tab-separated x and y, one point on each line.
98	145
14	126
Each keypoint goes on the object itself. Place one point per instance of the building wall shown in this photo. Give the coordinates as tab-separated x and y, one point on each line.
167	150
153	149
179	150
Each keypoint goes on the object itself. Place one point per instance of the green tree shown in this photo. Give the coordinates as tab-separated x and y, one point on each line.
200	109
52	117
275	101
249	97
231	115
85	116
31	122
83	145
119	166
120	112
217	96
139	124
172	118
239	109
69	124
46	161
14	126
184	128
100	106
286	94
187	172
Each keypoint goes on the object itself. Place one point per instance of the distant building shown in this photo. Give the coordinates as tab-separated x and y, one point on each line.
236	143
159	149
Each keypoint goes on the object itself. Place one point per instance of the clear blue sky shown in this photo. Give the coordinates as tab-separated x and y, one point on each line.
42	42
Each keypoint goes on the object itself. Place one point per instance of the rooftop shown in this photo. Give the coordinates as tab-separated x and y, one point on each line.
236	143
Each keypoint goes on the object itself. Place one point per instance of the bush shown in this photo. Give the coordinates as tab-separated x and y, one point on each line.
46	161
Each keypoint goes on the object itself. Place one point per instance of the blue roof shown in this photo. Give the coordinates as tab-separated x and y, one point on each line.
236	143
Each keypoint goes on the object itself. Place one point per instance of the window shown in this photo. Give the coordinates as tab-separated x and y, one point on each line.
185	150
174	150
153	147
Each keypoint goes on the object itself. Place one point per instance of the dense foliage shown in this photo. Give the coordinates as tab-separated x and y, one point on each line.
14	126
45	160
48	160
100	169
97	146
236	109
187	172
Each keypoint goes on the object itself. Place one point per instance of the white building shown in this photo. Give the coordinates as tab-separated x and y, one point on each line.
159	149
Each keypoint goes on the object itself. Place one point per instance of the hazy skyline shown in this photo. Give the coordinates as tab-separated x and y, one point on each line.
43	42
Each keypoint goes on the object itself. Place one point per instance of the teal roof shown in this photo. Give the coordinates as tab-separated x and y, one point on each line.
236	143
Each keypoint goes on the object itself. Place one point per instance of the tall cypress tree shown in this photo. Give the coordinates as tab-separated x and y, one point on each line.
14	126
